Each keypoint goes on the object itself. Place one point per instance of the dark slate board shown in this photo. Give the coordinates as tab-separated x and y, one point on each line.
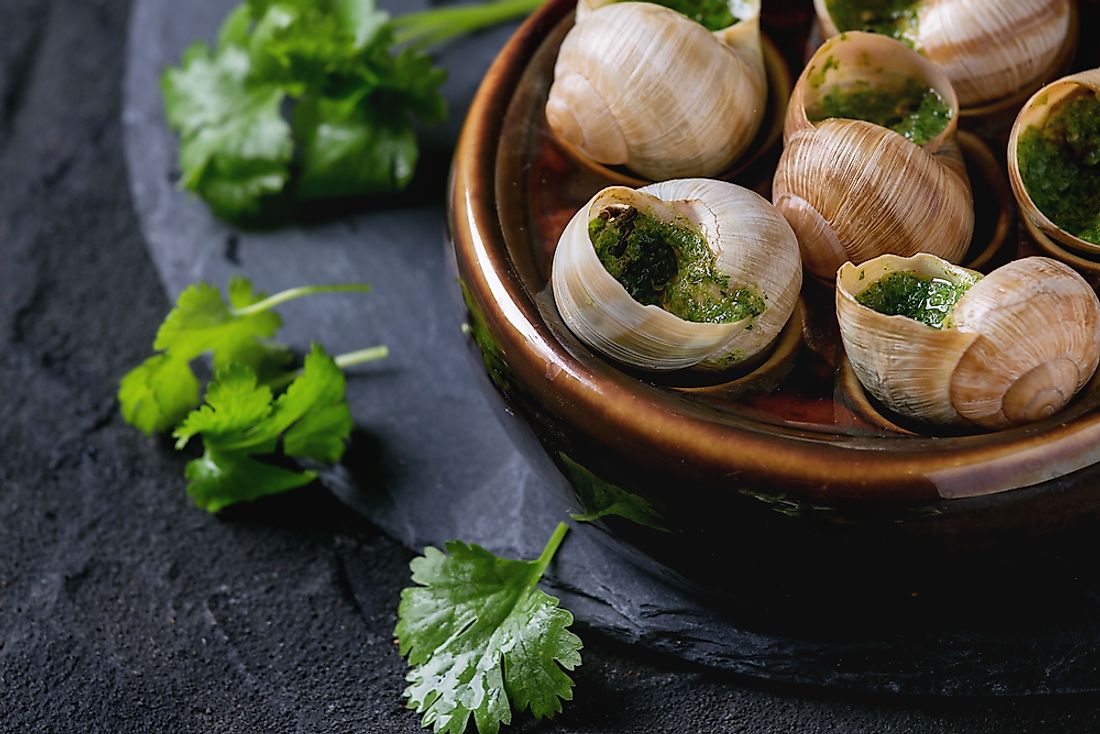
431	461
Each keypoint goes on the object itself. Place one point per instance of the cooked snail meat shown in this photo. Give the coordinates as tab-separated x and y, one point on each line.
942	344
669	264
683	274
714	15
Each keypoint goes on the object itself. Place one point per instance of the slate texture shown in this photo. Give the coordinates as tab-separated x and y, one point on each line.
123	609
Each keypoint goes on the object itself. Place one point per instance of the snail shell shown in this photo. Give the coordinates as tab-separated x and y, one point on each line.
640	85
853	190
1034	114
752	244
989	49
1017	347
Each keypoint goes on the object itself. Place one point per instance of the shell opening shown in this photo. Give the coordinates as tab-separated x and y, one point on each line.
898	19
714	15
878	80
1058	155
663	259
928	299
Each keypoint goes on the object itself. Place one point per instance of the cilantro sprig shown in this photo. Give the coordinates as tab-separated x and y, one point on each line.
258	416
242	421
354	80
481	637
159	393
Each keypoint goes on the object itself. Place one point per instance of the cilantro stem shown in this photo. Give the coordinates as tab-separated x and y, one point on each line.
433	27
551	549
343	361
362	356
289	295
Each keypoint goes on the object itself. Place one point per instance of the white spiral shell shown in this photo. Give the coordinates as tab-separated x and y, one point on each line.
1018	345
752	244
640	85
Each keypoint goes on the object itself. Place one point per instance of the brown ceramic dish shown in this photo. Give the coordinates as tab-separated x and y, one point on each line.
787	450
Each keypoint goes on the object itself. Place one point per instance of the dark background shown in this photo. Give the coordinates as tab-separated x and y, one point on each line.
124	609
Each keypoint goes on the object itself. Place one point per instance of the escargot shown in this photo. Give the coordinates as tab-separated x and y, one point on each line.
942	344
989	49
1054	161
871	163
645	86
691	273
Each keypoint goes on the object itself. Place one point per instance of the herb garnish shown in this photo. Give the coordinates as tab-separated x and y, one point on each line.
244	419
353	99
480	637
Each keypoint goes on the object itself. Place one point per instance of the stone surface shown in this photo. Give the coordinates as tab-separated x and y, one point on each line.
122	608
431	461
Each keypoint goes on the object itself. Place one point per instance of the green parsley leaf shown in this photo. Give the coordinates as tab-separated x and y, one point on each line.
235	146
348	148
241	423
601	499
158	393
478	633
203	321
218	480
354	81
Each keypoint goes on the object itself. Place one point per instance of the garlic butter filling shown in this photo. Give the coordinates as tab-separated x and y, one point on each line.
714	15
895	18
920	297
1060	165
669	265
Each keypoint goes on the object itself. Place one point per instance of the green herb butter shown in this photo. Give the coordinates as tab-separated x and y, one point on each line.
913	295
913	110
714	15
1060	166
669	265
895	18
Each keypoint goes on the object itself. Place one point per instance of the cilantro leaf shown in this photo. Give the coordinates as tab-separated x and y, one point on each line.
157	394
241	423
478	633
354	83
235	402
600	499
217	480
347	148
203	321
235	146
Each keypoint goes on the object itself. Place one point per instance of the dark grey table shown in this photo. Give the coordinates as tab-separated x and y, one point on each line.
123	609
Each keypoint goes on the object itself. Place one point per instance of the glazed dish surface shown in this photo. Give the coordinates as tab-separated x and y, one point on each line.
789	412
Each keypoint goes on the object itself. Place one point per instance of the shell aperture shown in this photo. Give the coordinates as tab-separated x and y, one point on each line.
633	263
668	264
714	15
1015	348
895	18
1060	165
914	110
924	298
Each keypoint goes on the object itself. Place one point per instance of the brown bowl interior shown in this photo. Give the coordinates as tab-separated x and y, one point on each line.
789	429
